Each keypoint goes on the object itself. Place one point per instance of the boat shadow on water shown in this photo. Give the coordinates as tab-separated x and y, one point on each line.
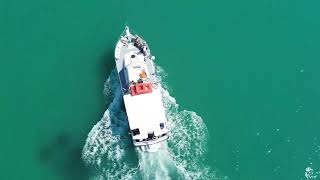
63	152
63	155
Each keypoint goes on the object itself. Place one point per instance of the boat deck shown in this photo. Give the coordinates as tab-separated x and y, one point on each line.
120	55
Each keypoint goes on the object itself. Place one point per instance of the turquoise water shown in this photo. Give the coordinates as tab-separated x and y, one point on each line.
247	72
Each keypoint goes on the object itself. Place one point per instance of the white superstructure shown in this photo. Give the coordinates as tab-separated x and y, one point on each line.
141	92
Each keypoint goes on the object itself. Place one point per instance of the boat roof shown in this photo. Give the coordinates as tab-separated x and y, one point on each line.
145	112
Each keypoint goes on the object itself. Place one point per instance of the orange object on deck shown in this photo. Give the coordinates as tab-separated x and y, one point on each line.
141	88
143	75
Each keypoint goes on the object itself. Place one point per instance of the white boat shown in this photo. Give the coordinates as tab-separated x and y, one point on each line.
141	92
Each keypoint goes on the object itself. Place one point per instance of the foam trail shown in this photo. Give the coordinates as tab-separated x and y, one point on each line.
156	165
110	154
107	147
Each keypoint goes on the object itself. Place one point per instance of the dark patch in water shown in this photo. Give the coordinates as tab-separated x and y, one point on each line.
64	156
106	64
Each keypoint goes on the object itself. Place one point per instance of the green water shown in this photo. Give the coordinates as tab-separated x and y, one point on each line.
249	68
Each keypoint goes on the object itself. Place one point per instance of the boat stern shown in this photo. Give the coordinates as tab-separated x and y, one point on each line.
152	147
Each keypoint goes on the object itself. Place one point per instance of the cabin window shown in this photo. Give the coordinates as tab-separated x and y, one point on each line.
135	132
150	136
161	125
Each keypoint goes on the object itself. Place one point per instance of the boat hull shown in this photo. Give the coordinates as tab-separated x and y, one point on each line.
141	92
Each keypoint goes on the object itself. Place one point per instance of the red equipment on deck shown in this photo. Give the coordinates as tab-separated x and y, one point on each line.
141	88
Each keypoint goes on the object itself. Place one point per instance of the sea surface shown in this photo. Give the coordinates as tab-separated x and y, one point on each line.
240	83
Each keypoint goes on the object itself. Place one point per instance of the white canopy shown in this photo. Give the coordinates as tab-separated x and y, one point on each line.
145	112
